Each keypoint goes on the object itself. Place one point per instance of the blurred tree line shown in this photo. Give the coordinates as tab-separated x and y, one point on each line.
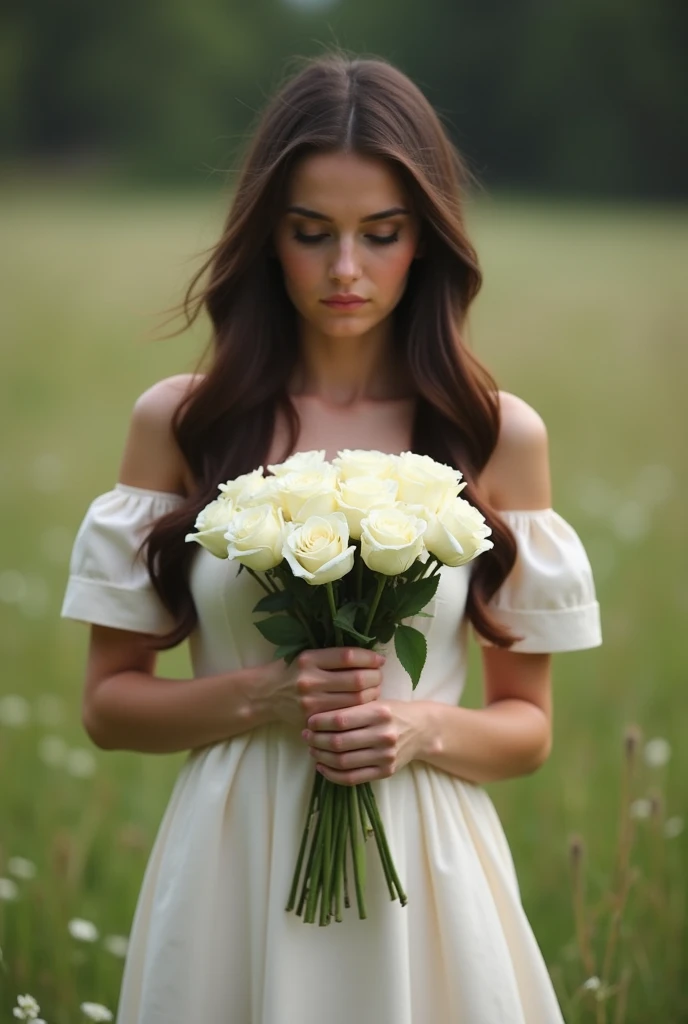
571	96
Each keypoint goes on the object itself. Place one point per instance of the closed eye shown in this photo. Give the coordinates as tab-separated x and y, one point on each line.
375	239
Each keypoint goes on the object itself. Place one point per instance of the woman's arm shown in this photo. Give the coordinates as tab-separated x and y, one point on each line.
126	707
511	734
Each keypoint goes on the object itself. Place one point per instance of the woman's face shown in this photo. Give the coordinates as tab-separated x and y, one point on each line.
347	232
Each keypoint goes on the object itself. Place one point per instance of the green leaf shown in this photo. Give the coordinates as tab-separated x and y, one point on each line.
413	597
414	571
351	630
288	652
278	602
281	629
412	648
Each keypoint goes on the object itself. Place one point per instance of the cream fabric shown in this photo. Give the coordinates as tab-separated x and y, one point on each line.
108	585
549	596
210	939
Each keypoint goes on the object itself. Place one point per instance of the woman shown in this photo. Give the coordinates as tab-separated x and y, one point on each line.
338	295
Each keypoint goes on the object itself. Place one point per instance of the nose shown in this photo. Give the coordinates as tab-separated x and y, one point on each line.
345	266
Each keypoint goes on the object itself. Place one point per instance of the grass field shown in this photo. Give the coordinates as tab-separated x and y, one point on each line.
583	314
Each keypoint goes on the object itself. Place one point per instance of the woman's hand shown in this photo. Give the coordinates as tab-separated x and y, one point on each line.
321	681
371	741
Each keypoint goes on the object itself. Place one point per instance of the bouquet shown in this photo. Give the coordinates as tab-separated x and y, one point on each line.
345	552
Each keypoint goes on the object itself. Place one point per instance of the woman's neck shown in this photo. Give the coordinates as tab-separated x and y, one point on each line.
347	371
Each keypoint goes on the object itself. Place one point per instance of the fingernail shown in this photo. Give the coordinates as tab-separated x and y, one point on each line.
305	735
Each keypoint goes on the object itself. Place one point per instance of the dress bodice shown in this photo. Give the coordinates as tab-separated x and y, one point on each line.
548	599
226	637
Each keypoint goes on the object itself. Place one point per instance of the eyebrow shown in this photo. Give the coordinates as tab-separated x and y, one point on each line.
314	215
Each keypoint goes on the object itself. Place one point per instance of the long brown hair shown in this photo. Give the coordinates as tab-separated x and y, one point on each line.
225	424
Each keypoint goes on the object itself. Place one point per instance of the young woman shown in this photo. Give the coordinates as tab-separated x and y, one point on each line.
338	294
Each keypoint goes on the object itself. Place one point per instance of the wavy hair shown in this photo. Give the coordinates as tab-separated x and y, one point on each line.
224	425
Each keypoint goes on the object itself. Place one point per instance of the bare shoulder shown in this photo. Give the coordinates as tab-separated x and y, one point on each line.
517	475
152	458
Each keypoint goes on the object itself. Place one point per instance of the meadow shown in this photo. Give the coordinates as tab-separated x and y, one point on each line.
582	314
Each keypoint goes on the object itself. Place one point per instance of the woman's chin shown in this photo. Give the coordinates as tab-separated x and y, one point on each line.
350	327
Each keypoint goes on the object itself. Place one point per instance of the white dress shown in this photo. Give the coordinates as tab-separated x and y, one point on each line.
211	941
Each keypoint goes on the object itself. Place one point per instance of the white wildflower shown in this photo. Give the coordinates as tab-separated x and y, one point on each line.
641	808
596	497
20	867
27	1008
673	827
53	751
117	945
96	1011
84	931
36	599
655	483
631	521
14	711
592	984
49	709
47	473
80	763
56	543
657	752
8	889
13	586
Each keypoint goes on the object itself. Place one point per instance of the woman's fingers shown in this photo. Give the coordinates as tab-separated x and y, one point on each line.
326	702
353	776
339	742
364	758
354	681
359	716
335	658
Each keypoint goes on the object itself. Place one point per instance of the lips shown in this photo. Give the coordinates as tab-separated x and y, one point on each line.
345	301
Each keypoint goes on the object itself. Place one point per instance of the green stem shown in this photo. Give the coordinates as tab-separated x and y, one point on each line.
340	834
258	579
270	582
381	580
357	852
304	840
345	836
309	632
381	839
387	868
326	896
366	828
313	828
315	879
338	638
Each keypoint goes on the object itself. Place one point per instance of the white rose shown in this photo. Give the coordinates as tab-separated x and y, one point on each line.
311	493
458	534
422	481
300	462
256	536
351	462
211	524
358	495
246	483
318	550
260	492
391	540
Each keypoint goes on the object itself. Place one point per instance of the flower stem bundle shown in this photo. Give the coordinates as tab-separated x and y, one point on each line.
345	553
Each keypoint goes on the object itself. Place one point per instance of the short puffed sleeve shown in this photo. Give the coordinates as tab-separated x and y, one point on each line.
108	585
549	596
